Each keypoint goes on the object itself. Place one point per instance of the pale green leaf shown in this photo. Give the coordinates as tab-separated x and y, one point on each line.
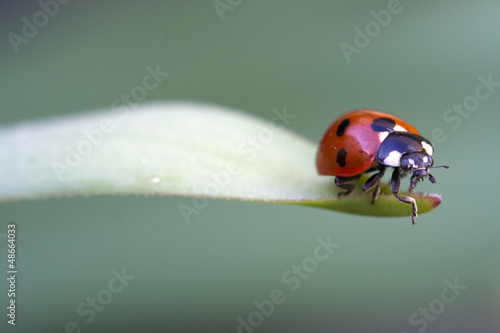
183	149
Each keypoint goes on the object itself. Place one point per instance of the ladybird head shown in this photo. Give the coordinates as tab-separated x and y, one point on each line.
418	164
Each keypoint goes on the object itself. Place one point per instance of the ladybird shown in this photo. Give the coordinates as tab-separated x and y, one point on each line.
365	141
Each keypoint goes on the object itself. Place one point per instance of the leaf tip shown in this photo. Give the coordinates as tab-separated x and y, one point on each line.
435	200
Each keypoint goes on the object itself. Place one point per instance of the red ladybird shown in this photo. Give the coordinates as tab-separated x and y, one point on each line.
364	141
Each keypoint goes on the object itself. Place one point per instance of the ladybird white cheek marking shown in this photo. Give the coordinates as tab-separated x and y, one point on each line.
393	159
412	162
427	147
425	159
382	136
399	128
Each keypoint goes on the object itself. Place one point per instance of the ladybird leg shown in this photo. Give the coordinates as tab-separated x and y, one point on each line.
432	179
374	180
343	183
396	183
413	183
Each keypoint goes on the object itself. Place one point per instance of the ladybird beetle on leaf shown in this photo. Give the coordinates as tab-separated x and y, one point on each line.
365	141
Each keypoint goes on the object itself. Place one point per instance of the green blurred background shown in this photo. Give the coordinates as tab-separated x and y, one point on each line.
256	56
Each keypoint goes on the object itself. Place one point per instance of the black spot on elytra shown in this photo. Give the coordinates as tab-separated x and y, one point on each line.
341	155
383	125
342	127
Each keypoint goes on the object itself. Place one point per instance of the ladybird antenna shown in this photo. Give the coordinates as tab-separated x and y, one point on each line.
440	166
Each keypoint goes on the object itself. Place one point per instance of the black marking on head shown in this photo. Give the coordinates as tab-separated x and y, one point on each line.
342	127
383	125
341	155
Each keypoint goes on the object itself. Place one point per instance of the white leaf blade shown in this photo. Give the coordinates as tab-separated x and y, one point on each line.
182	149
174	148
